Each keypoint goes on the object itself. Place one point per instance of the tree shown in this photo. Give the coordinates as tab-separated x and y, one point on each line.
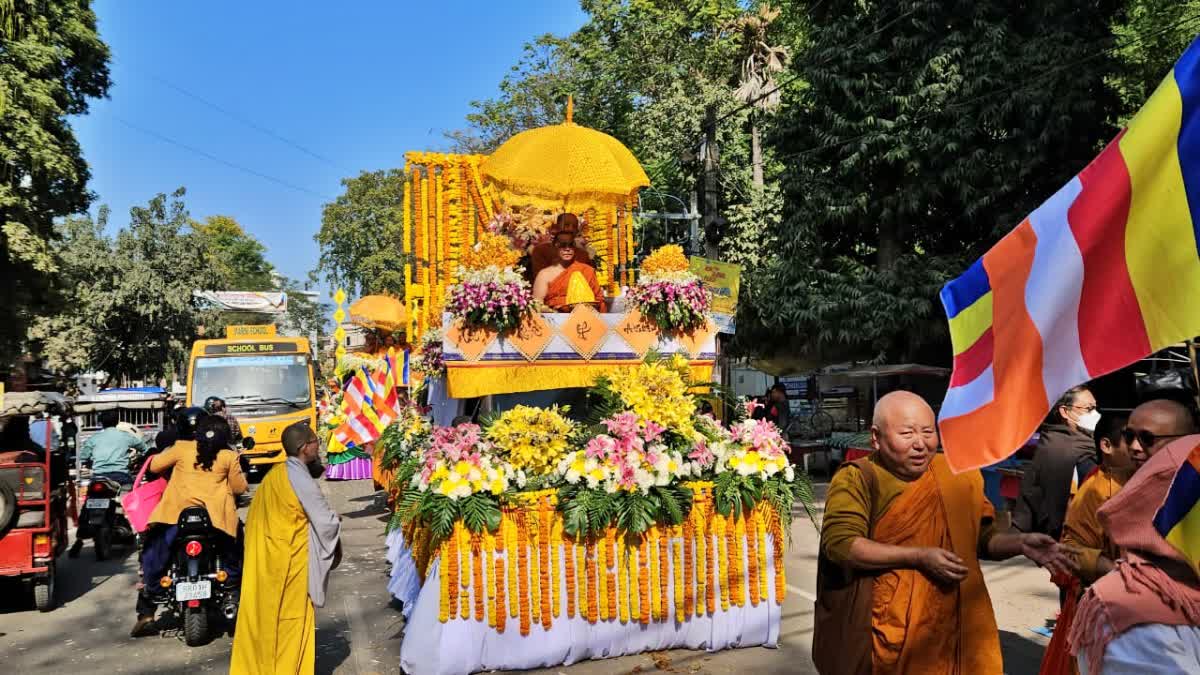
50	67
236	258
757	84
926	130
1153	34
362	235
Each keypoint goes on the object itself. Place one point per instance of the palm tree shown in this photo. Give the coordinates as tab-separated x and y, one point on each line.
760	63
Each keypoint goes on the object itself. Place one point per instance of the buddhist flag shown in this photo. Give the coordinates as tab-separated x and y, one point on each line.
1178	519
1104	273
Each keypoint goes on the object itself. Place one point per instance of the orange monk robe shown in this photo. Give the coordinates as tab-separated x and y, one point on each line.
556	293
918	625
1082	528
545	255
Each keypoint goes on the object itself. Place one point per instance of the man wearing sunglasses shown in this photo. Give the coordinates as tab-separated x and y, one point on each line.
1153	425
568	282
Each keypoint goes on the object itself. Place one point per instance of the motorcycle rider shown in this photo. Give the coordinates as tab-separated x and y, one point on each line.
204	472
215	405
108	452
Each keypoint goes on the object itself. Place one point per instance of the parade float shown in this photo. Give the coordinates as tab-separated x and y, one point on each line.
584	509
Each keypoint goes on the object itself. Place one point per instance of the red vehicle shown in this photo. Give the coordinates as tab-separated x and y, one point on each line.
34	493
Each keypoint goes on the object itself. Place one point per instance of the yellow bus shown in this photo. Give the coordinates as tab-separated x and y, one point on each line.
265	380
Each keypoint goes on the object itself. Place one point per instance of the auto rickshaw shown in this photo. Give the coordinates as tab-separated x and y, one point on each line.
34	493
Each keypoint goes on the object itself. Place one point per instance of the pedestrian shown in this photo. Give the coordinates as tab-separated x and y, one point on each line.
899	586
1144	616
1065	454
292	543
1092	551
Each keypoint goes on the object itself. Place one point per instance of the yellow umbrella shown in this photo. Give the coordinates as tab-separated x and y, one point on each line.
379	312
564	166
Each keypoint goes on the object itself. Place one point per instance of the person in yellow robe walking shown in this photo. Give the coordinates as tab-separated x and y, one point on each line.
292	543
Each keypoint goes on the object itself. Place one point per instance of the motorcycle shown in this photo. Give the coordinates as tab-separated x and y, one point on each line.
103	518
199	585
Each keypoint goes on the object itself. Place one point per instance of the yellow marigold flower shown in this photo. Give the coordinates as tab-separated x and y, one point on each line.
669	258
492	250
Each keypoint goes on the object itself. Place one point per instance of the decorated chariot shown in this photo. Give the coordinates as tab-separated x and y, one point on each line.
558	494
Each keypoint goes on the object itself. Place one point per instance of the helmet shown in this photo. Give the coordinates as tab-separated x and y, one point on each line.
208	403
186	421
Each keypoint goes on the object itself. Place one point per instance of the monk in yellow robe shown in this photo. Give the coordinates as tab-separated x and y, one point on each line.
899	585
292	543
568	282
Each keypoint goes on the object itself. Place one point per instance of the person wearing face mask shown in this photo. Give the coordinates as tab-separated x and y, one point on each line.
1065	456
293	541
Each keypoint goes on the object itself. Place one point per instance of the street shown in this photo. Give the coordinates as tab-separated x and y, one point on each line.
359	632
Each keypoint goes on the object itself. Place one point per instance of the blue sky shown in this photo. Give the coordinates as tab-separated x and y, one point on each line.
356	84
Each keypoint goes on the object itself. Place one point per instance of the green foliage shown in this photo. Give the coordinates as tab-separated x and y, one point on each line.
362	234
1153	34
52	62
590	512
925	130
479	512
126	303
236	257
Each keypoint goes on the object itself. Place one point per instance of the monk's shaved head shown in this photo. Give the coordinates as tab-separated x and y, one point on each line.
904	434
1170	416
897	404
1154	424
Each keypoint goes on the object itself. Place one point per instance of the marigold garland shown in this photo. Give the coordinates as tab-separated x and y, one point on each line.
510	563
738	568
533	522
635	605
644	581
591	582
452	572
569	569
689	569
722	530
611	575
610	233
477	575
780	575
630	277
464	596
701	583
760	544
664	571
622	584
664	259
752	558
495	583
556	551
602	577
677	572
523	571
544	568
444	585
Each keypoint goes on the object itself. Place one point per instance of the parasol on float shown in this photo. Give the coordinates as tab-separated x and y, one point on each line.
379	312
564	166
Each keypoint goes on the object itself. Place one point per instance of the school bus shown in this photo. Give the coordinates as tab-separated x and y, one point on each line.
266	380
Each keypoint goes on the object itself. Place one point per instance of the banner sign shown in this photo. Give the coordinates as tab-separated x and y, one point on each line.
722	280
252	348
245	301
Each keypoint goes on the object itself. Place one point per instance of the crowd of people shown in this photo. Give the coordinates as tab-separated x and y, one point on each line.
900	588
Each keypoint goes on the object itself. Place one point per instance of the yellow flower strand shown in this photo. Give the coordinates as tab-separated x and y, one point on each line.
602	578
489	569
721	526
677	571
464	548
406	248
760	544
655	583
738	571
444	585
633	591
510	563
622	583
535	576
700	534
556	545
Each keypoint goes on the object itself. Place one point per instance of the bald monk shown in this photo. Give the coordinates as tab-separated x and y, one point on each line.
293	540
568	282
546	254
899	587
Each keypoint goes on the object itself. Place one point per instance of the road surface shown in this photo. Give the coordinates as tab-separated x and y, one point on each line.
359	631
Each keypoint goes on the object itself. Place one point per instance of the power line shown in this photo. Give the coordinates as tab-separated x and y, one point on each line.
210	156
246	121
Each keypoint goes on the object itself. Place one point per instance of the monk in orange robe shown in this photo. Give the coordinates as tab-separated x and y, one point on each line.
546	254
568	282
899	585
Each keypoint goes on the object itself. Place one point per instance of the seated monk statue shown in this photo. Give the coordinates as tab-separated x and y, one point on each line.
567	282
899	585
545	254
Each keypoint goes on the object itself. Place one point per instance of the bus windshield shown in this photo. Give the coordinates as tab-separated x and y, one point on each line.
252	379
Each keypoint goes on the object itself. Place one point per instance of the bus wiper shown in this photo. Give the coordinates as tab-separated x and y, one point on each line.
254	398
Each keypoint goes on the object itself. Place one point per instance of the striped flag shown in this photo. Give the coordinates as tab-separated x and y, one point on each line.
1102	274
1178	519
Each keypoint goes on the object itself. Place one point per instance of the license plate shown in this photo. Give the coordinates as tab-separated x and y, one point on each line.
199	590
97	503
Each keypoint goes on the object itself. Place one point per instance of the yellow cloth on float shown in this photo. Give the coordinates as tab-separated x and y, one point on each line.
579	291
276	624
471	380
